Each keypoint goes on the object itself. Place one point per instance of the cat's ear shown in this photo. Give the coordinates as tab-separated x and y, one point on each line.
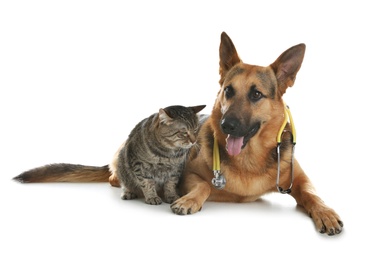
196	109
164	118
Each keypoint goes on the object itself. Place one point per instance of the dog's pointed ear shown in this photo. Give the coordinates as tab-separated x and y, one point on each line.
228	56
287	66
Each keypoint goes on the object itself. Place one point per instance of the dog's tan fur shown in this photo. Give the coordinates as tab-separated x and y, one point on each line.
252	173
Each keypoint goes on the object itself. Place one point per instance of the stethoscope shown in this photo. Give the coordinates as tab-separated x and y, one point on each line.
219	180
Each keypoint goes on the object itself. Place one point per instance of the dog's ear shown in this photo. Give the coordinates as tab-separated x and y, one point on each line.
228	56
287	66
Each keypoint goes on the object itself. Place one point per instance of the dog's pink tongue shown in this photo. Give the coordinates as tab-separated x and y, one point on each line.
234	145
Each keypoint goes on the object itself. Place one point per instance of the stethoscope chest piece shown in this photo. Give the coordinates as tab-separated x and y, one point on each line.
219	180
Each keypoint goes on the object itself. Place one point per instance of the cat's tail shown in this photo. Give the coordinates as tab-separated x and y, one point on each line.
64	172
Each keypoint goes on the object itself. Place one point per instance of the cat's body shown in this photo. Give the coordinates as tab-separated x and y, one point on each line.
152	159
149	164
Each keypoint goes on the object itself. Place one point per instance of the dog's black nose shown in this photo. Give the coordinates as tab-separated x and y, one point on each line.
230	126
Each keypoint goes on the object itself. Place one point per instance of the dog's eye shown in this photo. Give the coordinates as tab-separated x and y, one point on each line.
255	95
229	91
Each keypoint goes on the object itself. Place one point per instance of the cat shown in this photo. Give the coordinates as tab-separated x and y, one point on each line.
148	164
152	159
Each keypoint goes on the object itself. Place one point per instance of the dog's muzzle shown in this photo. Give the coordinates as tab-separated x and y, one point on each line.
238	134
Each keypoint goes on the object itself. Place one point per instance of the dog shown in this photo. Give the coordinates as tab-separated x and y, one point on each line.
246	118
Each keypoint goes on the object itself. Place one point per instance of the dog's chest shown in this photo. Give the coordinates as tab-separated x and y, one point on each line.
246	180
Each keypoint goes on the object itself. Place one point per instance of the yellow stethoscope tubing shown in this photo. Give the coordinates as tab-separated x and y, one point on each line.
288	118
216	156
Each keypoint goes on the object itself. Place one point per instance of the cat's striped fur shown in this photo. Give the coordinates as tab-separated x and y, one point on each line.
151	161
149	164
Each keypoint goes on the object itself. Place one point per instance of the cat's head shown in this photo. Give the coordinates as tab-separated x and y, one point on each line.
178	126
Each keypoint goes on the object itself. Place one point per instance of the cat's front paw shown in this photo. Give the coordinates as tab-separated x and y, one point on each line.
171	198
127	195
153	200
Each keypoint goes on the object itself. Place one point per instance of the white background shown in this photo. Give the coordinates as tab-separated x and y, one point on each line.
76	76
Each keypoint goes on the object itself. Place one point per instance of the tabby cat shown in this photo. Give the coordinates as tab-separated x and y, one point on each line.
152	159
149	163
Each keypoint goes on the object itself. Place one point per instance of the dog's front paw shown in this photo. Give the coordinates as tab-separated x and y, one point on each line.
326	220
184	206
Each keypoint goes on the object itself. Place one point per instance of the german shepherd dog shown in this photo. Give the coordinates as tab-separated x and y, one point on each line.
245	120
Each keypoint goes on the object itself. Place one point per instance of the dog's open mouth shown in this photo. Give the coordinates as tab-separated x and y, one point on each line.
235	144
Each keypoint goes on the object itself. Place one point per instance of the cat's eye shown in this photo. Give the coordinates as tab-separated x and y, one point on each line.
183	134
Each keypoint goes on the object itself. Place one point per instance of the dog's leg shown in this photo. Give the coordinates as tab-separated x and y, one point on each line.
324	217
114	181
197	192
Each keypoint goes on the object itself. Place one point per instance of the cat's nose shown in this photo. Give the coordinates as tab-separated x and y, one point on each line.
192	138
